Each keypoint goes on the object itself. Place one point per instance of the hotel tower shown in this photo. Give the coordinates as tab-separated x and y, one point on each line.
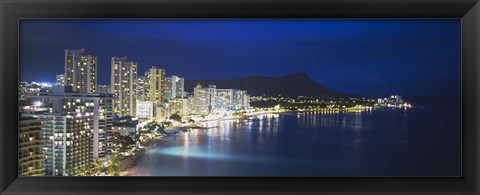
124	86
156	84
80	71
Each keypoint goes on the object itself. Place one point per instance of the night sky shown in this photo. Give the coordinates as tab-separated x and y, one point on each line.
409	57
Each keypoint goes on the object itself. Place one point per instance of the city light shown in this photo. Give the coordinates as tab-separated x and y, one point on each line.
37	104
163	109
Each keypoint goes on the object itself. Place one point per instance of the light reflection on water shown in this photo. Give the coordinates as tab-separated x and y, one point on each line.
304	144
207	153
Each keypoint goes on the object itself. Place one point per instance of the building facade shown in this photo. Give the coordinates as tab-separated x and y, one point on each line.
31	157
80	71
124	86
98	106
211	99
146	110
224	99
61	79
190	105
174	87
155	78
68	142
179	105
204	99
141	89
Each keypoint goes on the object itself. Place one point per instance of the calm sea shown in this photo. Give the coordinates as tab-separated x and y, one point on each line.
421	141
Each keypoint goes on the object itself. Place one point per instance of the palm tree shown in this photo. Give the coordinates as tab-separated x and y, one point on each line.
83	171
76	171
97	166
113	166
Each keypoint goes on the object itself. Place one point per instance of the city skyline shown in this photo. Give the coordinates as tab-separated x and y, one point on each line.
108	119
429	44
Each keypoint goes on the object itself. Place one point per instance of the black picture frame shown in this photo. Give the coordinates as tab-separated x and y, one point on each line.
12	10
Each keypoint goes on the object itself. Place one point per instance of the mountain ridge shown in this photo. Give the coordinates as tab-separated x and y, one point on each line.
294	84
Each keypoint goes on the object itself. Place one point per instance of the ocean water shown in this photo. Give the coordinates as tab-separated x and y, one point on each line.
421	141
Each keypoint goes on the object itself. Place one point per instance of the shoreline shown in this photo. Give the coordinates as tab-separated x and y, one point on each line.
131	161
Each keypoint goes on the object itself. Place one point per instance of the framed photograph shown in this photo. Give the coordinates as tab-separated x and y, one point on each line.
242	97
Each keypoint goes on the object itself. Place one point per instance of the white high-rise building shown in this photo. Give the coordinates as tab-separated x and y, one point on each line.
207	100
224	99
174	87
80	71
231	99
179	105
241	100
204	99
97	106
68	142
124	86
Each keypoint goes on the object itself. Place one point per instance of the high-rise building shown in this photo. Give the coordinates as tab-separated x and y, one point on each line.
204	99
98	106
231	99
224	99
207	100
103	89
168	89
80	71
68	142
241	100
60	79
31	157
156	84
190	105
174	87
141	89
179	105
124	86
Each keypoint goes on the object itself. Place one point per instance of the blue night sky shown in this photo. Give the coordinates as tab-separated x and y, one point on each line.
408	57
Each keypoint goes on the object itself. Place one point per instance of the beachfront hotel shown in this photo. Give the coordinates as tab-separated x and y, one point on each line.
204	99
211	99
231	99
30	147
61	100
224	99
68	142
241	100
124	86
180	106
80	71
